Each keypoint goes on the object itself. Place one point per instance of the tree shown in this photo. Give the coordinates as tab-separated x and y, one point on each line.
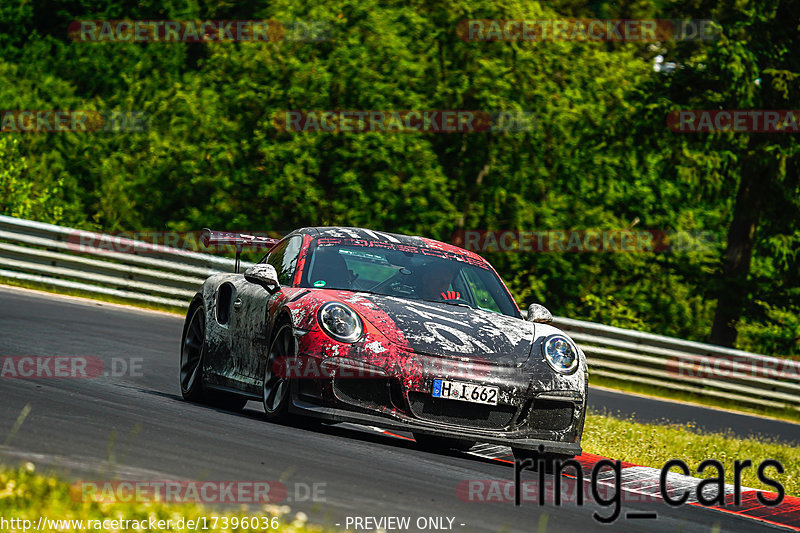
753	65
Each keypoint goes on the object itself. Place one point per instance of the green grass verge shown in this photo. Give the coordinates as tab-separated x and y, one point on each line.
28	495
790	415
655	444
46	287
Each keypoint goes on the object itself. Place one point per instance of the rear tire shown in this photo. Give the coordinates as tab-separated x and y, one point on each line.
193	348
442	444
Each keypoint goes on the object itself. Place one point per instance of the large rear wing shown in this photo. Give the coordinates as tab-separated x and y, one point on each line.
239	240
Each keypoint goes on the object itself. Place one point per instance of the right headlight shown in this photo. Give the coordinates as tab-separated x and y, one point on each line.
560	354
340	322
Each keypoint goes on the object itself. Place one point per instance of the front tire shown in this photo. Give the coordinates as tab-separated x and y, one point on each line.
275	388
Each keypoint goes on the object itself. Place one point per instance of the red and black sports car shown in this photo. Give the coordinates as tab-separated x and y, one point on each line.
348	324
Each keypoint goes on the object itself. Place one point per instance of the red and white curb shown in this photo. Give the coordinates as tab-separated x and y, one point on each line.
642	483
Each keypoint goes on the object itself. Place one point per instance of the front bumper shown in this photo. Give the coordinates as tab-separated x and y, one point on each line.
528	415
343	415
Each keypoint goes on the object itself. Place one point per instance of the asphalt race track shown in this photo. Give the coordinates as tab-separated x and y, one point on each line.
135	426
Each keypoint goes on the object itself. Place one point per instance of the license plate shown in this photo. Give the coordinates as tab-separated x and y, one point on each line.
466	392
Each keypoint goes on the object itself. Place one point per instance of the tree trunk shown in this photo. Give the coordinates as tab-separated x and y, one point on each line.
756	173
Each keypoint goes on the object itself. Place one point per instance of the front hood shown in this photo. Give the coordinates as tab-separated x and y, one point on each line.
447	330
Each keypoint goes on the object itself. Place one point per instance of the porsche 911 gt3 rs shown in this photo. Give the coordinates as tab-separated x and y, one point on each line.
408	333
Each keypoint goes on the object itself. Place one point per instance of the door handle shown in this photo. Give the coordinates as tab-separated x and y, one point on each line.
237	303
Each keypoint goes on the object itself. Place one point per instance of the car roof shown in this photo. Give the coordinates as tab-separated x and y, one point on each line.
383	236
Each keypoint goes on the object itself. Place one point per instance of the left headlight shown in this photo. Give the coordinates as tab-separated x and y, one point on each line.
340	322
561	354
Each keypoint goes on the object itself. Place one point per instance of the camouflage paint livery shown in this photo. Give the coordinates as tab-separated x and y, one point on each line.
386	377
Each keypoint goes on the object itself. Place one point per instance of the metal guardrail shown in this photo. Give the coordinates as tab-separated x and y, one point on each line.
141	272
687	366
96	263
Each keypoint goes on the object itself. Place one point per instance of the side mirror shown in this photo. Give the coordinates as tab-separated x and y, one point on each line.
265	275
539	313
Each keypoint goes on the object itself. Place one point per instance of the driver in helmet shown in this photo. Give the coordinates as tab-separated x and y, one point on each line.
436	280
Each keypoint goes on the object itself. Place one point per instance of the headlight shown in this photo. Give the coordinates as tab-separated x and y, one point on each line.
340	322
560	354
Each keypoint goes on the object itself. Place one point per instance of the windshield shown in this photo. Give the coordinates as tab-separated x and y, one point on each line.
406	272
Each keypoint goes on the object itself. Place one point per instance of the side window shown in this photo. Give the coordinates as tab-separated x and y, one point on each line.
284	259
482	295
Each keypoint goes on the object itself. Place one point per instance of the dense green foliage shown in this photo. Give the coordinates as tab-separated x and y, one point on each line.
600	156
